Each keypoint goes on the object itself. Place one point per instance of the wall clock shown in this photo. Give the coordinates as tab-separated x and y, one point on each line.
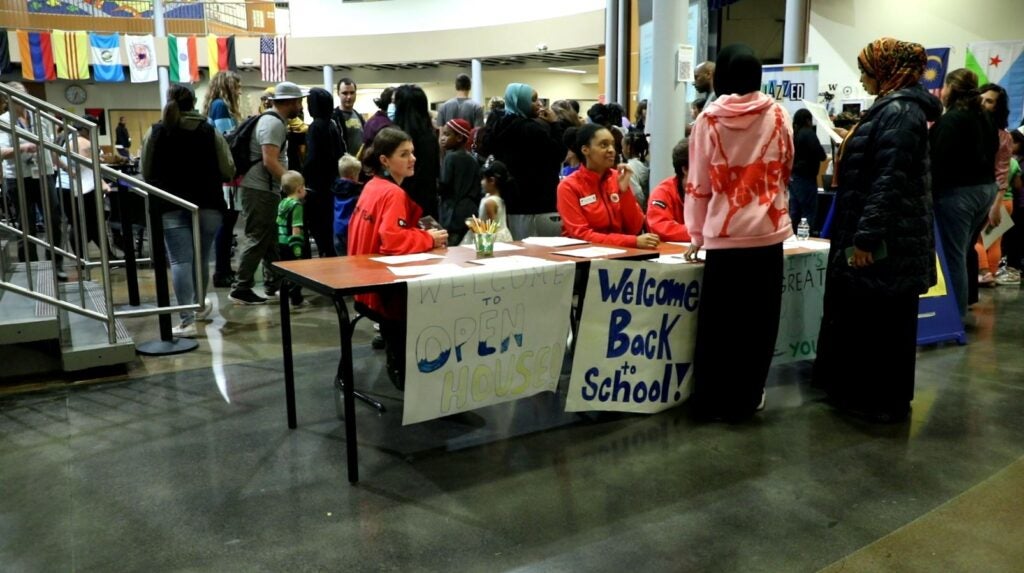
75	94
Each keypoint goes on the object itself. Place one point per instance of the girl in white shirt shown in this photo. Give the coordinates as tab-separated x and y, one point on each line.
492	206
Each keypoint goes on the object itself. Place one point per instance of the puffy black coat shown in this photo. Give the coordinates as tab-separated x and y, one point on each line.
885	196
533	151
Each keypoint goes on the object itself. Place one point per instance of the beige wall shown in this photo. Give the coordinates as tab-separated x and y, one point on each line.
758	24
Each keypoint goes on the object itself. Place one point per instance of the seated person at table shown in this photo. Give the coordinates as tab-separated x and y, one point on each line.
595	202
665	210
385	222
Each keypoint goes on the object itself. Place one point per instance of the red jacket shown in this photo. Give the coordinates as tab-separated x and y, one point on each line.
385	222
665	212
593	209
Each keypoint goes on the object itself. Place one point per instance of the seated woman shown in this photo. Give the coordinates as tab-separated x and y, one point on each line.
385	222
665	210
595	202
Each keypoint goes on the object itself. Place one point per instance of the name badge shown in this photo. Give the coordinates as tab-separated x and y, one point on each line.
588	200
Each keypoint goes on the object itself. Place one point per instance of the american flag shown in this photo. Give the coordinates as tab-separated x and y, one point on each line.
273	64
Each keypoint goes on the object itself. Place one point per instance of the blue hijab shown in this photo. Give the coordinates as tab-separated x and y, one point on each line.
518	100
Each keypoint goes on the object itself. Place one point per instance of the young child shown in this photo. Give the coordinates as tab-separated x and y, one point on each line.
346	190
492	206
460	173
291	235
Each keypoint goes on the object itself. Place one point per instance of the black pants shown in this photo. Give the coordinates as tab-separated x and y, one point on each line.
34	204
87	217
867	348
393	332
319	215
1013	240
737	325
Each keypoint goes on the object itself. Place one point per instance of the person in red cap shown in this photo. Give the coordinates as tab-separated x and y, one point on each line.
460	179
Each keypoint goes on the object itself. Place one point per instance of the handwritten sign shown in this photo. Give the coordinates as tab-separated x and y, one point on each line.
484	338
636	338
803	295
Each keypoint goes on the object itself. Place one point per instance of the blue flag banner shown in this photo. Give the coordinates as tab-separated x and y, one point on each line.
935	72
105	52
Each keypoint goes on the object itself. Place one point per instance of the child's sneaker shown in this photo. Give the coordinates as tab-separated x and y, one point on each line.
1005	277
184	330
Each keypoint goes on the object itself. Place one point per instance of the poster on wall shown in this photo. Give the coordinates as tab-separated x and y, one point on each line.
99	116
636	337
803	297
790	84
484	338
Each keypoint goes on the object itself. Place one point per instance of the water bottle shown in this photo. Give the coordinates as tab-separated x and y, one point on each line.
803	230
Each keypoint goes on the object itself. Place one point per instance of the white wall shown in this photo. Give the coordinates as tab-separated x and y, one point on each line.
334	18
840	29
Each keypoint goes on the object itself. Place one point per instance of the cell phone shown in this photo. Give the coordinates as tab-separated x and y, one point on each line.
878	254
429	223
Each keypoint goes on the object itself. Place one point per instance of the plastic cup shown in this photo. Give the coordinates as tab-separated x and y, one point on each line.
484	243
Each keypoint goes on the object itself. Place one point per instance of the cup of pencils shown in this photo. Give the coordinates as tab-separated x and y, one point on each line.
483	235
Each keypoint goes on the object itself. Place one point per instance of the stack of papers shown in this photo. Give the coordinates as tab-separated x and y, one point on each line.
402	259
512	262
809	244
442	269
590	252
679	259
554	242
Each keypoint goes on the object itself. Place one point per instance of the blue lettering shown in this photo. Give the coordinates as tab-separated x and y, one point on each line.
618	342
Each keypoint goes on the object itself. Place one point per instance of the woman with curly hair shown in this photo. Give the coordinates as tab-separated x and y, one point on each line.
221	109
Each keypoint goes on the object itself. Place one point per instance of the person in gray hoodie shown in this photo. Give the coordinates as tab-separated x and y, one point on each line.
324	148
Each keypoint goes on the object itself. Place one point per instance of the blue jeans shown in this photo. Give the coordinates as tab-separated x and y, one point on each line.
803	200
959	213
180	254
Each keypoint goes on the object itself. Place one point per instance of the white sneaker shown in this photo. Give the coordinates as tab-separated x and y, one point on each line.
204	314
760	406
184	330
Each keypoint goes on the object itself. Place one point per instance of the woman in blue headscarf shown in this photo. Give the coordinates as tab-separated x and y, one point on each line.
528	140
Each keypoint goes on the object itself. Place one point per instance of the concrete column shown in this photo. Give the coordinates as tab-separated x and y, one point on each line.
161	34
794	42
478	81
622	55
329	78
611	49
667	110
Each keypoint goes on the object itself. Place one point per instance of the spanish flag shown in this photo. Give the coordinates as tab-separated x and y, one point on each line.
220	54
71	53
36	56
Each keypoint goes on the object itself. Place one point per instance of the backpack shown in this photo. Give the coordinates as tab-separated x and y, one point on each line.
240	141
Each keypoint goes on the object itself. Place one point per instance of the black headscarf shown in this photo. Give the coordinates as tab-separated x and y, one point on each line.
737	71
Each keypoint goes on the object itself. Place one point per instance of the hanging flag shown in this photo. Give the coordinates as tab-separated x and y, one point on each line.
273	61
220	54
935	72
106	57
5	52
1000	63
183	60
36	56
141	58
71	54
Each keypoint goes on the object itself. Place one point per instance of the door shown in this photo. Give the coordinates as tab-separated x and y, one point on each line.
138	121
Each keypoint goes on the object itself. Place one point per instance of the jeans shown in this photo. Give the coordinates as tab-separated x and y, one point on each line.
803	201
260	210
181	255
959	212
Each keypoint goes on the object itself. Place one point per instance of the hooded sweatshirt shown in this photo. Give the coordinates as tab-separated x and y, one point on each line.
323	143
665	212
741	155
190	161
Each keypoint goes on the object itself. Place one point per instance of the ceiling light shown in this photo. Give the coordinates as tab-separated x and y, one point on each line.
567	70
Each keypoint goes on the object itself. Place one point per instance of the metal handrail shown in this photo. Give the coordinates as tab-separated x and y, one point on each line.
46	112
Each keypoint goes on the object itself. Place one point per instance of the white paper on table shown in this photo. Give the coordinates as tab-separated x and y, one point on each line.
513	262
402	259
498	247
590	252
990	234
687	245
808	244
443	268
553	241
820	115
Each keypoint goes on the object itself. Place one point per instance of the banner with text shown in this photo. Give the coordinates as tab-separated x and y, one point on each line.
484	338
636	337
790	84
803	295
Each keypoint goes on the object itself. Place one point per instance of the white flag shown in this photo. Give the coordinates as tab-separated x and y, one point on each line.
141	58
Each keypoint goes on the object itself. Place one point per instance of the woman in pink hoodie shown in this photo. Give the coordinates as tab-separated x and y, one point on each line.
741	154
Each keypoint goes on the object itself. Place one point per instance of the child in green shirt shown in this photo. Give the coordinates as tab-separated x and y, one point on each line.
291	235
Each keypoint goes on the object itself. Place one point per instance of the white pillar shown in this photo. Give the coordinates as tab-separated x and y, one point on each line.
478	81
161	33
329	78
621	53
667	110
794	42
611	49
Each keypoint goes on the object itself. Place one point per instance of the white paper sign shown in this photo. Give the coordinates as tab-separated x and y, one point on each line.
636	338
803	295
485	338
990	234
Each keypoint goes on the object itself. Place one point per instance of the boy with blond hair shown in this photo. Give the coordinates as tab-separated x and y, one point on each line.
292	242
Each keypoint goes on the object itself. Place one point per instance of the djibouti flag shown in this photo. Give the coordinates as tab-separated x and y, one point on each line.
183	64
1001	63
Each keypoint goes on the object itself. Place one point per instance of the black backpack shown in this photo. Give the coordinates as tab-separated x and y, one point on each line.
240	140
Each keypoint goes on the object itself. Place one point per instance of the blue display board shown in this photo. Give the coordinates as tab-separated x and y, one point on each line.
938	317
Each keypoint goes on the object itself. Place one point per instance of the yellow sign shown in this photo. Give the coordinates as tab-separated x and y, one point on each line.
939	288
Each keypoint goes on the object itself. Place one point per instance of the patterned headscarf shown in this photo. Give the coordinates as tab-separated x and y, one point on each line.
895	64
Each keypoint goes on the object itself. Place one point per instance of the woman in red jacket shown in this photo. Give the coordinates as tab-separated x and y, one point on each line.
665	209
595	202
386	222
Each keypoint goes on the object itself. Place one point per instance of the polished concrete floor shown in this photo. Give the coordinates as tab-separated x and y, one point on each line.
185	463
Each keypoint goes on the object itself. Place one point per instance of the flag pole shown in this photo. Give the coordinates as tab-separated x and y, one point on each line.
158	21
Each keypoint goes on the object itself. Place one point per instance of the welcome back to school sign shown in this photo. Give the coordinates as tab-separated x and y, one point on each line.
484	338
636	337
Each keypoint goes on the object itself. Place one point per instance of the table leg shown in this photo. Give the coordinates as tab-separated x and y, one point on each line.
286	348
348	394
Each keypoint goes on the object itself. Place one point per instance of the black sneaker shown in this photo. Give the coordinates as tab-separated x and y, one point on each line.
225	280
246	296
377	343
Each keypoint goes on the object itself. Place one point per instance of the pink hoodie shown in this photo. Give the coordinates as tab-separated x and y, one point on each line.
741	154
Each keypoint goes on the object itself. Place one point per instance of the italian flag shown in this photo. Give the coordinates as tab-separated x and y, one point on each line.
1001	63
182	59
